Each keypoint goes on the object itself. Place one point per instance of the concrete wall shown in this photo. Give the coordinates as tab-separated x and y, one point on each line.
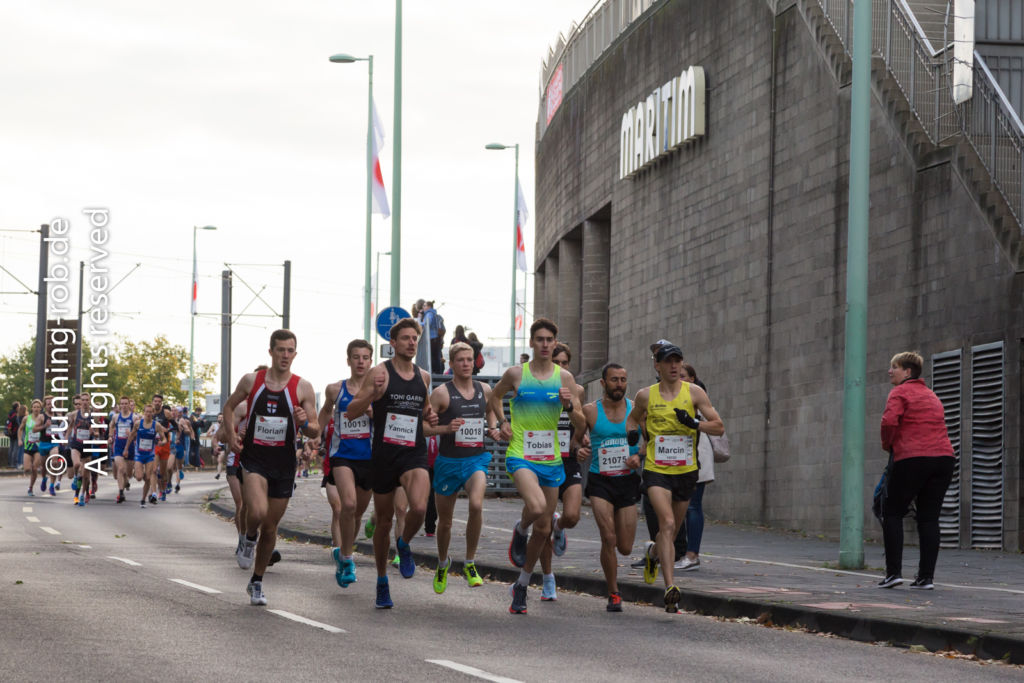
739	256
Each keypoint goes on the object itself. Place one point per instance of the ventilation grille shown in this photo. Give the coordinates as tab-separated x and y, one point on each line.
947	385
987	446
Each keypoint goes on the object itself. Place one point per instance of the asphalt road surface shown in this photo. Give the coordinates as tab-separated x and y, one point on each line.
115	592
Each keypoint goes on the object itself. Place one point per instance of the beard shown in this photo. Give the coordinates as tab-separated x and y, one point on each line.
617	394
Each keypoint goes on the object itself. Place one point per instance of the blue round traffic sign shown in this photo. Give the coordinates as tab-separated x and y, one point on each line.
388	317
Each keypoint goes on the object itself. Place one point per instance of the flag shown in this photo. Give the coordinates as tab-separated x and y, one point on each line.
195	281
522	215
380	195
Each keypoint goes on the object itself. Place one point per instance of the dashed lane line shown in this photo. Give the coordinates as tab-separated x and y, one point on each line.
26	508
50	531
34	520
307	622
204	589
471	671
130	563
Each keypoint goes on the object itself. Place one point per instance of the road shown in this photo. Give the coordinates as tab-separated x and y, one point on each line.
117	592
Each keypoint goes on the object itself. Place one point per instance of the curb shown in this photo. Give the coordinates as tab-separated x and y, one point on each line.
982	643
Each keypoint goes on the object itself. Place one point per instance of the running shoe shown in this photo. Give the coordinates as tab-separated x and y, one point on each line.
650	563
672	599
238	547
369	527
517	547
518	593
81	500
472	575
181	475
30	492
152	498
42	485
163	497
142	504
685	564
441	577
217	476
406	565
120	497
614	603
395	560
547	591
338	567
558	539
429	534
57	486
922	584
168	489
256	594
890	581
639	564
275	557
383	594
348	572
52	492
92	491
177	488
245	554
75	483
75	501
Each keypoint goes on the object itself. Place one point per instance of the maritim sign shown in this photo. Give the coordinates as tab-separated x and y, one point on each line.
670	116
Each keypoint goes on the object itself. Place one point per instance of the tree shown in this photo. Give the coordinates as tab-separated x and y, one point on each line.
16	381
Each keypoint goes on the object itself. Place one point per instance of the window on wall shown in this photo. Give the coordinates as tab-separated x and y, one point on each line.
947	383
987	446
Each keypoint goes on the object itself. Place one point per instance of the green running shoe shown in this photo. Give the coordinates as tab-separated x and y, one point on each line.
369	527
441	577
472	575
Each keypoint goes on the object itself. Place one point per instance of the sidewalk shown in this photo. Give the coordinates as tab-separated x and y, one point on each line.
977	606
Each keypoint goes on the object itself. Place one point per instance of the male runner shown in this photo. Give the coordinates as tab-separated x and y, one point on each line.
397	389
613	488
534	459
54	442
349	452
280	405
145	433
30	433
570	492
164	415
182	446
46	443
667	410
120	427
80	428
461	407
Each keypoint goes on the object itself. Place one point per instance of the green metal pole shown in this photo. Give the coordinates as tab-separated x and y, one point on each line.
396	176
515	248
851	530
192	333
369	205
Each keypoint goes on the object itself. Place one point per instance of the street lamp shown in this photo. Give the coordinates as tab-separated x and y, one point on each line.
349	59
376	289
192	320
515	247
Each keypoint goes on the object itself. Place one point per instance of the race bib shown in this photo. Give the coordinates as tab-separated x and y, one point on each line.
270	431
611	460
145	444
123	430
33	436
471	433
358	428
674	450
81	434
400	430
563	441
539	446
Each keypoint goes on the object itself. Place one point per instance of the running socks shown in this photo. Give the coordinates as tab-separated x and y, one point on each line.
255	578
524	578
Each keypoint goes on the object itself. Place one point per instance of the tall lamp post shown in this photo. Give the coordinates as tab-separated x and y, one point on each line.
192	320
515	247
349	59
376	290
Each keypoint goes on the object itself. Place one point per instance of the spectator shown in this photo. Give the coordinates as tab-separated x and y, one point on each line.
694	524
524	358
460	335
914	431
196	422
433	325
11	429
478	355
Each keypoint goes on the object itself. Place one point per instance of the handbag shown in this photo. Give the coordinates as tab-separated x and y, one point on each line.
881	491
720	447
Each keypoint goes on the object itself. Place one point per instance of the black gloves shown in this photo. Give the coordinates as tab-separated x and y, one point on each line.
685	419
633	437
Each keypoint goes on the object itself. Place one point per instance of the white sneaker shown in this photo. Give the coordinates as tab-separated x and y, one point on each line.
687	565
246	553
256	594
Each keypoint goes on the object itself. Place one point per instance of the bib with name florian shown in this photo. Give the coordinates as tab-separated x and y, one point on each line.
535	408
671	447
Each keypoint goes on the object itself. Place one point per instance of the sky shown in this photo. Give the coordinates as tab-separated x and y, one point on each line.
224	113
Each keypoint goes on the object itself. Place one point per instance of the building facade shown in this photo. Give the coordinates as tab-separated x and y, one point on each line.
692	161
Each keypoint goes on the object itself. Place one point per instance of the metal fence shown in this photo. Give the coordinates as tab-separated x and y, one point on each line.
986	121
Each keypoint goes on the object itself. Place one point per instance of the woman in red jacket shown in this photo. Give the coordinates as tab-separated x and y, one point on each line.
914	429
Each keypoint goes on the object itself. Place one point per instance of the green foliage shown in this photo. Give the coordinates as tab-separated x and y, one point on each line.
137	369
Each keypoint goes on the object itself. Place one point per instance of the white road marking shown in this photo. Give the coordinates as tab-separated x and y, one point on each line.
307	622
130	563
183	582
496	528
471	671
89	547
50	531
34	520
26	508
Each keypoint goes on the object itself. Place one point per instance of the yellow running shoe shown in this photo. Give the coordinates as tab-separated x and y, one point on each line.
650	563
441	577
472	575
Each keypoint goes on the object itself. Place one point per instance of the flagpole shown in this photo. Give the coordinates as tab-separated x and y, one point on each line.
369	204
515	261
192	322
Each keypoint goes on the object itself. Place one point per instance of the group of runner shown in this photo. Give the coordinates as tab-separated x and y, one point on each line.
126	442
375	424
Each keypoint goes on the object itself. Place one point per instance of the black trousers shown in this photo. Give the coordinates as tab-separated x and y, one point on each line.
430	521
923	481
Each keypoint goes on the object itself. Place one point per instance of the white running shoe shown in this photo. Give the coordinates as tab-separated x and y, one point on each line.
246	553
256	594
687	565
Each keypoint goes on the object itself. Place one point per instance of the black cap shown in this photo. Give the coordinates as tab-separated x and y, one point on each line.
667	351
658	344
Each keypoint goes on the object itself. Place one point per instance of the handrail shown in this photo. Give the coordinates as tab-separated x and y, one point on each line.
1010	111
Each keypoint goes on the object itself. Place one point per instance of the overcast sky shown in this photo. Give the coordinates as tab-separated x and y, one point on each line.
228	113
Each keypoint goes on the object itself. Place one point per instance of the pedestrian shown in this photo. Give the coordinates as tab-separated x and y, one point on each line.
914	431
11	430
478	356
433	326
694	522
